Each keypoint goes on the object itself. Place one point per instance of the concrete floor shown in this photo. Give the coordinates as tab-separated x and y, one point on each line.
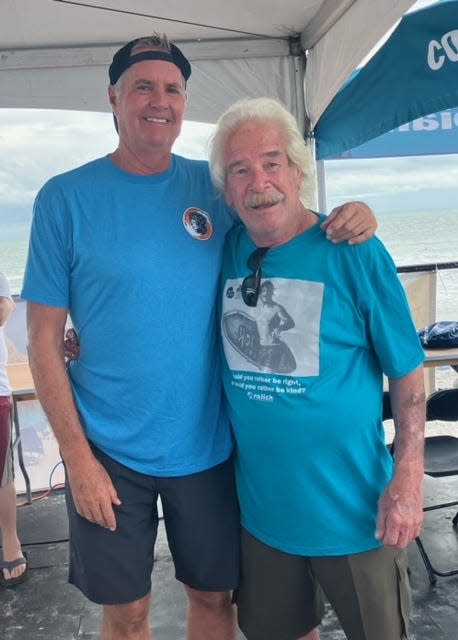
46	607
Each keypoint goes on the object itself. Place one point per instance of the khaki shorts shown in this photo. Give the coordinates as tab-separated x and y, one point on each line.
280	597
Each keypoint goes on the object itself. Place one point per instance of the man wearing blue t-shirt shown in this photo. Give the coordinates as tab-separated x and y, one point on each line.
322	504
131	246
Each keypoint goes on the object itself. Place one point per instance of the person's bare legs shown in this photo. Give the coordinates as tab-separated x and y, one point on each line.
211	615
312	635
127	621
11	545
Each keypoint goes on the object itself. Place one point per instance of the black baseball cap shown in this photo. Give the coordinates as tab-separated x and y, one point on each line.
123	59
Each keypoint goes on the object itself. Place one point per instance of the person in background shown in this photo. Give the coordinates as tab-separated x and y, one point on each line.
321	505
13	563
140	413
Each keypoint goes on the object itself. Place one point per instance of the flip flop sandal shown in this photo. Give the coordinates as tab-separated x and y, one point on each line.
12	565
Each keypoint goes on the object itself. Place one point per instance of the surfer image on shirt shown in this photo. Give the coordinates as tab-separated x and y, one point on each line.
257	338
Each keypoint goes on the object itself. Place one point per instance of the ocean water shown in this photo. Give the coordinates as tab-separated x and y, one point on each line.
421	237
13	254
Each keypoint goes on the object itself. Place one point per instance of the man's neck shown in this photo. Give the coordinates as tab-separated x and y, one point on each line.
306	219
141	164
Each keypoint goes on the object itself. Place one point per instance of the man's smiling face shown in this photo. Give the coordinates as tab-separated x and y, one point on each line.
261	184
149	106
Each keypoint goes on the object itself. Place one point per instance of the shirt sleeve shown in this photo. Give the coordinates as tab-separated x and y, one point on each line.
389	320
47	273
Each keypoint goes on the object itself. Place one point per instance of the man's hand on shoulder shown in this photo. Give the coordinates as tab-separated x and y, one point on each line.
71	345
353	222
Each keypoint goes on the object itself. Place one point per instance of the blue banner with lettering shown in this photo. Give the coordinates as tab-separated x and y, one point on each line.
434	134
415	73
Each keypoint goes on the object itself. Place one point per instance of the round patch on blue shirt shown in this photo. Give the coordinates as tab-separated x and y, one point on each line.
198	223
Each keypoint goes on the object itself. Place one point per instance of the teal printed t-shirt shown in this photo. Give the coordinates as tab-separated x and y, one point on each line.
303	377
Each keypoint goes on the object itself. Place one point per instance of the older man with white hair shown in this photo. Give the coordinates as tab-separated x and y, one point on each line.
322	505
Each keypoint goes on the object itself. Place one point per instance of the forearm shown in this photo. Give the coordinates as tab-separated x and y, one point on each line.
407	397
91	486
53	388
400	514
55	395
6	309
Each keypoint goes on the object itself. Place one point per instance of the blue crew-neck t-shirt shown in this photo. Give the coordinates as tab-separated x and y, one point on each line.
136	260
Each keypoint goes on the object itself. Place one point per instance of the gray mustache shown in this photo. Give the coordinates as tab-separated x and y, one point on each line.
263	199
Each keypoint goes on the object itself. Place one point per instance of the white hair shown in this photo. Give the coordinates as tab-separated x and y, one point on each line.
299	154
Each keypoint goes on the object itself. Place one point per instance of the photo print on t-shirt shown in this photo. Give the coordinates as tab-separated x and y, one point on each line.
281	334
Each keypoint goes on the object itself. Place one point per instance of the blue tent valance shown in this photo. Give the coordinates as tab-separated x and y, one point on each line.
434	134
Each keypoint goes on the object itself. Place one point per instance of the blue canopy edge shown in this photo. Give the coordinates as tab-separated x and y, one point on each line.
414	74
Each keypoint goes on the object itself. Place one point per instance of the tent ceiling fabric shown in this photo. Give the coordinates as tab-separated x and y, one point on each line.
344	47
38	23
55	53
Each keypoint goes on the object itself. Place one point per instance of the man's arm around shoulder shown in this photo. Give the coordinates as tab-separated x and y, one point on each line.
352	222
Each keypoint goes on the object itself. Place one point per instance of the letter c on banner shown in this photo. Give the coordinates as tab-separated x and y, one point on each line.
435	61
448	47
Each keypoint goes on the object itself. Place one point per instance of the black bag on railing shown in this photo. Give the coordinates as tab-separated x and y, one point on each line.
440	335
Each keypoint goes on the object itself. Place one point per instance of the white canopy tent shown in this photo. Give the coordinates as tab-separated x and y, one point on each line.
55	53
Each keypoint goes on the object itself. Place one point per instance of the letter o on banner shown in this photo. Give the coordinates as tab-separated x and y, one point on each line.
450	44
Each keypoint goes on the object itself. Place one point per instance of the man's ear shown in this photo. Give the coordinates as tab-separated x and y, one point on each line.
112	96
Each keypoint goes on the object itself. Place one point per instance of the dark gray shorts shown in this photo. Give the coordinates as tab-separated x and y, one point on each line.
201	518
280	597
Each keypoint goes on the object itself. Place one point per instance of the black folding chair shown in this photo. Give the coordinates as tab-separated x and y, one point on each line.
441	458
